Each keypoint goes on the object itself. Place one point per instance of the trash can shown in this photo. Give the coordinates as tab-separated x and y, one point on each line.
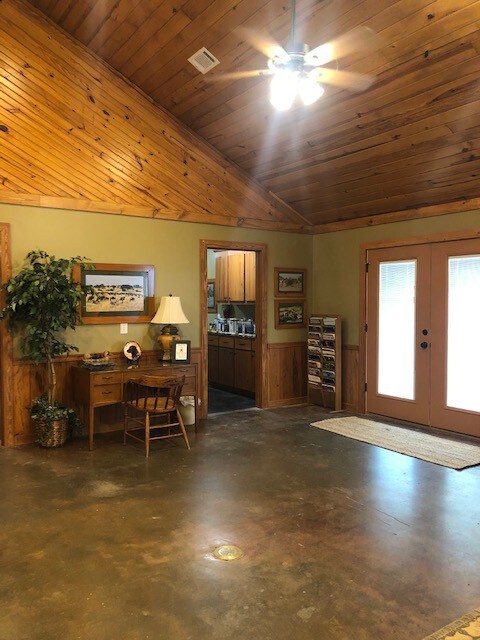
187	409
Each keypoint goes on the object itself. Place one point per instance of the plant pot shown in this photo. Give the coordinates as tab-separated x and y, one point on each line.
55	436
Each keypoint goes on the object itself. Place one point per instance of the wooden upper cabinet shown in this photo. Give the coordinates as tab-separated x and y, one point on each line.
221	277
250	276
235	276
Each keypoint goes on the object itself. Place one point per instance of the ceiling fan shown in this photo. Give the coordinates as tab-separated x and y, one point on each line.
301	71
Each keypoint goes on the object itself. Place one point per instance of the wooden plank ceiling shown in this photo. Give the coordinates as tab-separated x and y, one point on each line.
408	143
76	135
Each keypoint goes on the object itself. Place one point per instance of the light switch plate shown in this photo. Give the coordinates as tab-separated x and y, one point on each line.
123	327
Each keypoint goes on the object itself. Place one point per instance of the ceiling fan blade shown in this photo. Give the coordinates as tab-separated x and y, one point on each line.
237	75
263	42
344	79
358	39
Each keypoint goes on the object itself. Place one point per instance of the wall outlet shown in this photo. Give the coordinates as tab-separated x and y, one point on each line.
123	327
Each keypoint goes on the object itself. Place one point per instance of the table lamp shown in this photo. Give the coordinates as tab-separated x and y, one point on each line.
169	313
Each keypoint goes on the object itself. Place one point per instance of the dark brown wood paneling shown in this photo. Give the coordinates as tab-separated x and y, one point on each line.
406	147
287	373
76	135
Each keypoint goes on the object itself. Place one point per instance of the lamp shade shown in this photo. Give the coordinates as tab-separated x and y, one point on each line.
170	311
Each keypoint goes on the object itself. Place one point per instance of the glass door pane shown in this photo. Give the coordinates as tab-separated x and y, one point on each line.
463	355
396	329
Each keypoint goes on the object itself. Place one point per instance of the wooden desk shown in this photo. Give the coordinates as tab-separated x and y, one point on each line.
91	389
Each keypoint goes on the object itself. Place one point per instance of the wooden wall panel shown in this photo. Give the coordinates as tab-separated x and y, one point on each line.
28	377
286	373
350	383
75	134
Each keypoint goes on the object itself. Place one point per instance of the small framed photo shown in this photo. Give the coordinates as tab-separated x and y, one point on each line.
211	301
290	283
290	314
181	352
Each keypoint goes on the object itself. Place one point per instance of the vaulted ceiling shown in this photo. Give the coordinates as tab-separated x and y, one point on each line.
410	141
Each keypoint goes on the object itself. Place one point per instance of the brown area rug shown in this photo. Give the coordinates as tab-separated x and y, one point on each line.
466	628
444	451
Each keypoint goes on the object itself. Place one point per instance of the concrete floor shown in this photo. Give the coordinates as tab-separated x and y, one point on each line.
342	540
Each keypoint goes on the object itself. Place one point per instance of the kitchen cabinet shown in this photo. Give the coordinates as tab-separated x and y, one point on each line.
250	276
213	372
231	363
235	276
226	365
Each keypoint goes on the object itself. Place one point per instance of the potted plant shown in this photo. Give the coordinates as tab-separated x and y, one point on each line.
42	301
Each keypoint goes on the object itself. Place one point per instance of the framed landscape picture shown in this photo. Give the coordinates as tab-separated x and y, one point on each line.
117	293
290	314
211	302
290	283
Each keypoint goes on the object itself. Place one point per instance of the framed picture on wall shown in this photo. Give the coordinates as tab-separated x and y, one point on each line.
116	293
290	314
181	352
211	300
290	283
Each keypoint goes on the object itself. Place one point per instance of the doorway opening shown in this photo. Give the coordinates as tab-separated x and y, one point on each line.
421	345
233	325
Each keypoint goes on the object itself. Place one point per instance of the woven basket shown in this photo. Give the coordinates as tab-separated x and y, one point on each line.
56	437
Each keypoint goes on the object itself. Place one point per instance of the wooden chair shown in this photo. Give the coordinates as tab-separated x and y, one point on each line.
151	404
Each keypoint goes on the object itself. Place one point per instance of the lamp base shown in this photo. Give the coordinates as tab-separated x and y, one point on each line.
168	336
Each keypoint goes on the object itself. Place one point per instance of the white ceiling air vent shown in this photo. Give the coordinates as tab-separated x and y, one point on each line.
203	60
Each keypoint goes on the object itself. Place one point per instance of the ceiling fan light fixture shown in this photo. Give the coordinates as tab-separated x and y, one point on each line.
320	55
283	89
309	90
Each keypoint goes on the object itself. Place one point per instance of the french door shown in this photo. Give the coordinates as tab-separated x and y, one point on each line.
423	334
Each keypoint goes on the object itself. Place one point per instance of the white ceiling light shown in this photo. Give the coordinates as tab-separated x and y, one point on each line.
297	70
309	90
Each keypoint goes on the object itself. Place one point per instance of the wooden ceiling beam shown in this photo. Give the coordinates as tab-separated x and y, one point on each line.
445	208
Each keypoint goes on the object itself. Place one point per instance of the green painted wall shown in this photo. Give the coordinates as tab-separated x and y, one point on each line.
172	247
336	262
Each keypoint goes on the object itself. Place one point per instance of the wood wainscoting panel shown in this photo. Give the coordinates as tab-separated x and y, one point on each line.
29	378
287	373
350	372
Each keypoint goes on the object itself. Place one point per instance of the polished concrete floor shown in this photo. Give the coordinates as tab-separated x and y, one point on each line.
342	540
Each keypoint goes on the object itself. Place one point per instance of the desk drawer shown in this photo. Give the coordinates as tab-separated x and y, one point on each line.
164	372
188	388
106	377
107	393
187	370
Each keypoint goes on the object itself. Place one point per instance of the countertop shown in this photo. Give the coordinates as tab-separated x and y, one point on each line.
232	335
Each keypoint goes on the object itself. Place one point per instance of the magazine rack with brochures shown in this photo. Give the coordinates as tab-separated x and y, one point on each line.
325	361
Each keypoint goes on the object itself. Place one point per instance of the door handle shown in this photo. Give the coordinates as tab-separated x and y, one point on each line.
424	345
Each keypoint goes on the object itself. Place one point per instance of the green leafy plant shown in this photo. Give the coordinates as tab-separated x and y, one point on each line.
42	301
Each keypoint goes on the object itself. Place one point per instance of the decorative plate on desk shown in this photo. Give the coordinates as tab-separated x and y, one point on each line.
132	351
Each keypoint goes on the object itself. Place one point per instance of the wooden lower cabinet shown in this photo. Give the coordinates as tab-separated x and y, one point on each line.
245	370
226	367
213	372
